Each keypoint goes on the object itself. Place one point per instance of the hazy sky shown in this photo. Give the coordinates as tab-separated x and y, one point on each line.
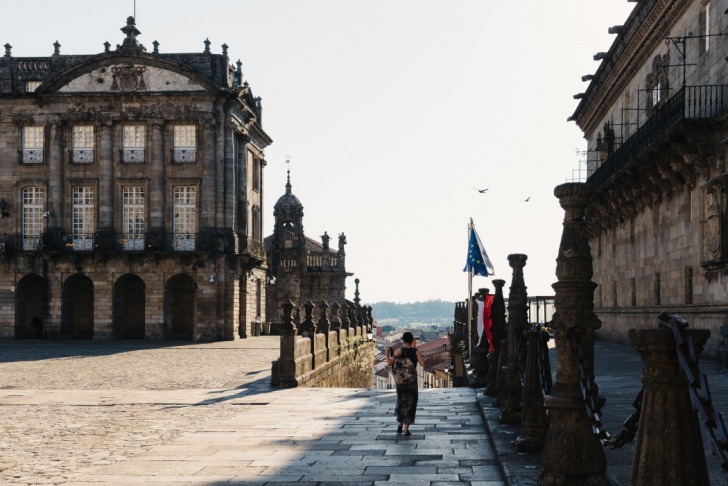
392	111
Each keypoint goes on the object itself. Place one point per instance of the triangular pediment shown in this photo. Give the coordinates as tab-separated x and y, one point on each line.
129	77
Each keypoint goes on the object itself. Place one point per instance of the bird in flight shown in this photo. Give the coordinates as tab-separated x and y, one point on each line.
527	199
482	191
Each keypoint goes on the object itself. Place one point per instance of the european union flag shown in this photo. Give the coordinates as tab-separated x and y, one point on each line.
477	262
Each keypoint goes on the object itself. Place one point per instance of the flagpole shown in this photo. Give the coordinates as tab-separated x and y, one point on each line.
470	299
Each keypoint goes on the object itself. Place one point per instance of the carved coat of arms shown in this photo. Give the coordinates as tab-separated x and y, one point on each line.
128	77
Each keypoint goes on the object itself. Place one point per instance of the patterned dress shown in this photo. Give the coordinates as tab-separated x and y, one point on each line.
407	394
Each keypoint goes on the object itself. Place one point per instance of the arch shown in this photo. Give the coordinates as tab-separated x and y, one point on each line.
77	308
180	306
106	60
30	307
128	307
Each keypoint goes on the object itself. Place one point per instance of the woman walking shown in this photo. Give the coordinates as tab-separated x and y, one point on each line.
405	369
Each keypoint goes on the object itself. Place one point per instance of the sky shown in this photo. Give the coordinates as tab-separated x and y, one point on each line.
392	113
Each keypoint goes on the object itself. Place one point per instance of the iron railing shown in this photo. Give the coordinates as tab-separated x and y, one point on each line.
321	261
689	103
82	155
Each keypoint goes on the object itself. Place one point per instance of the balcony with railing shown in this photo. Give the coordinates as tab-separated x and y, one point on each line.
689	103
33	156
184	155
132	155
322	261
82	155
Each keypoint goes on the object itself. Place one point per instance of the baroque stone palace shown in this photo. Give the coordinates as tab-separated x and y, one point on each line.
130	194
654	117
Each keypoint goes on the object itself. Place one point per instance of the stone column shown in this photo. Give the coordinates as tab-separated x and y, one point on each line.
510	395
669	446
56	179
497	331
106	178
157	178
572	453
308	329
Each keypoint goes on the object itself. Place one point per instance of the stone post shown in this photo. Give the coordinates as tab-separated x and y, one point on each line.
324	326
308	329
287	360
497	331
337	325
572	453
533	410
510	395
669	446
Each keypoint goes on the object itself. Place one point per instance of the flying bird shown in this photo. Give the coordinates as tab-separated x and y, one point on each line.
527	199
482	191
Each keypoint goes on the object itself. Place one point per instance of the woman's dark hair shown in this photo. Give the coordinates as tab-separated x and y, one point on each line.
408	337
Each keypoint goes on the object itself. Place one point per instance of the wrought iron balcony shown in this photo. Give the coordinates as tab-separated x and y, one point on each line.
82	155
182	241
33	156
184	155
131	241
132	155
689	103
31	242
253	247
80	242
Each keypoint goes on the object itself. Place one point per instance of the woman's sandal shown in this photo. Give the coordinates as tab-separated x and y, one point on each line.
407	433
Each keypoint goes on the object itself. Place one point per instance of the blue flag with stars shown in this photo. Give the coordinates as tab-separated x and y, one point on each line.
477	262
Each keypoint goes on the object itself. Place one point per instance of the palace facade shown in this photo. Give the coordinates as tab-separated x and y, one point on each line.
654	117
131	192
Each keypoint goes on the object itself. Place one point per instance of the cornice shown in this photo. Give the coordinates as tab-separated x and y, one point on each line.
644	31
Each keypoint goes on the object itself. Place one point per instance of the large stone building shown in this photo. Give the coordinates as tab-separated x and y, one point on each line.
654	117
301	268
130	194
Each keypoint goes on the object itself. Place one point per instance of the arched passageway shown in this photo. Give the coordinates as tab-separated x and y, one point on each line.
180	307
29	307
77	314
129	305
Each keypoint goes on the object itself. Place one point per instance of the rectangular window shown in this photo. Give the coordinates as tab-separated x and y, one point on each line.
31	86
133	143
33	209
256	173
33	144
82	143
656	94
185	218
185	143
83	218
132	224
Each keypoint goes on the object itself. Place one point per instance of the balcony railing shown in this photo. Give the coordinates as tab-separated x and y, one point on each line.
33	156
184	155
319	261
132	155
82	155
689	103
131	241
56	240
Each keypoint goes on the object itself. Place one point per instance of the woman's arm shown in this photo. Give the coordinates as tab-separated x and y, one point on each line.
420	359
389	355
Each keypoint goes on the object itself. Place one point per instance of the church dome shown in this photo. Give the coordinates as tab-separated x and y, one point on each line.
288	203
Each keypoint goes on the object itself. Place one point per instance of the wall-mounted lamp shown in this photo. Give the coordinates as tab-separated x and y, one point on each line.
47	214
211	279
272	280
4	209
370	334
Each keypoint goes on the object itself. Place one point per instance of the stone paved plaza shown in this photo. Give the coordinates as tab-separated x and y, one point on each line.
130	413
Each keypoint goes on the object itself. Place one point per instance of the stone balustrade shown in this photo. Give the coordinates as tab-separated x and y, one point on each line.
333	351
